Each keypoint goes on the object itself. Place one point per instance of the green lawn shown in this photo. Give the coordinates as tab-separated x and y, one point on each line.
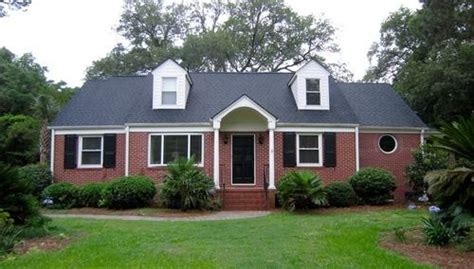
281	240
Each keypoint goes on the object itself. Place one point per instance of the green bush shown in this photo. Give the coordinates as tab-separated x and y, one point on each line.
301	190
341	194
186	186
373	185
436	232
39	175
15	196
64	195
91	194
128	192
426	158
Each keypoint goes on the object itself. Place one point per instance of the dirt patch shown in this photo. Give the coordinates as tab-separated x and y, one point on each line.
145	212
444	257
47	243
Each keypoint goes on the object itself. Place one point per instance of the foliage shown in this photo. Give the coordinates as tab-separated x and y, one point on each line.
91	194
457	138
435	231
185	186
373	185
341	194
400	234
39	175
301	190
64	195
428	54
9	236
15	196
18	139
238	36
426	158
128	192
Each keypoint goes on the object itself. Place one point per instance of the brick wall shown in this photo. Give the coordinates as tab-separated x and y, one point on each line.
371	156
345	162
86	175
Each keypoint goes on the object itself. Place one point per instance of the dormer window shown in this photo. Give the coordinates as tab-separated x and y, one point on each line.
313	93
169	92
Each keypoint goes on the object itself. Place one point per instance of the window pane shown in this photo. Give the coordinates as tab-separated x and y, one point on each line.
168	98
155	150
174	147
309	156
89	158
196	148
387	143
91	143
312	85
309	141
313	98
169	84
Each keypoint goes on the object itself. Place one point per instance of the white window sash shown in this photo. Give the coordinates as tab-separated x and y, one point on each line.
298	148
81	150
162	153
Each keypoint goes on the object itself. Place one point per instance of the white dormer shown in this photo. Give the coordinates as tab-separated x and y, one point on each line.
171	85
310	87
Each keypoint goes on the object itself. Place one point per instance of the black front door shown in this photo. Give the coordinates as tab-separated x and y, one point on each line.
243	159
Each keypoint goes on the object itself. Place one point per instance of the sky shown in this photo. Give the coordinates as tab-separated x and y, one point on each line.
67	36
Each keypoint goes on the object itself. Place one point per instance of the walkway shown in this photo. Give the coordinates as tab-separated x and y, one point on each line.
221	215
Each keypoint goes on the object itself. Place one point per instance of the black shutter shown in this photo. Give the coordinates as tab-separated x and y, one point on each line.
329	149
70	151
289	149
110	146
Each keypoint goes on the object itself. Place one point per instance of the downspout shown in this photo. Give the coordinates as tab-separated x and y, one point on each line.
422	137
51	154
357	147
127	139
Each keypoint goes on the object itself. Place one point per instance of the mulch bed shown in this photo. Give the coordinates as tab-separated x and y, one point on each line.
47	243
413	248
148	212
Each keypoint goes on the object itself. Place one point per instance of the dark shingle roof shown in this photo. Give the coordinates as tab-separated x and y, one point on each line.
128	99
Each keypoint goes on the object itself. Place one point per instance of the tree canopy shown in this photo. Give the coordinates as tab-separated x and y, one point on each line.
428	54
238	36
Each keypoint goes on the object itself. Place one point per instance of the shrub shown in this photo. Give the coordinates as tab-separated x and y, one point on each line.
64	195
91	194
341	194
373	185
435	231
128	192
426	158
186	186
15	196
39	175
301	190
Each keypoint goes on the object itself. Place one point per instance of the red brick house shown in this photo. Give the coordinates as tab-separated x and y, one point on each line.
244	129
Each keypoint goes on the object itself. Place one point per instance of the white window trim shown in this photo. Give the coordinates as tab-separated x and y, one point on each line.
306	92
80	165
320	150
232	160
394	139
162	164
163	90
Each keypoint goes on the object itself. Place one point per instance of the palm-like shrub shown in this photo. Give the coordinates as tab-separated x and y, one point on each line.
341	194
185	186
457	138
373	185
301	190
128	192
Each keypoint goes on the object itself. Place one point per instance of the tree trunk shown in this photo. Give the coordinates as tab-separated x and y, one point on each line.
44	142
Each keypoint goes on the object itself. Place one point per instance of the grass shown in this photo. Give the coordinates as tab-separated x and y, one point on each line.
281	240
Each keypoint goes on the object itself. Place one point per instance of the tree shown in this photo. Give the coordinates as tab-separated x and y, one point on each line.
429	56
239	36
46	108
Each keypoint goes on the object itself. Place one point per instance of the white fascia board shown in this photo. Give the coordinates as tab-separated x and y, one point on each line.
398	130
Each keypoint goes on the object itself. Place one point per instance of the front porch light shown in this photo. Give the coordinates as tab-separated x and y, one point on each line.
261	138
226	138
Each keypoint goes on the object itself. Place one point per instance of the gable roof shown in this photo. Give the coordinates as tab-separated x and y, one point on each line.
128	99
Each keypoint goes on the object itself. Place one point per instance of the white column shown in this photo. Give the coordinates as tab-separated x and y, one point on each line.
357	147
216	158
51	154
127	152
422	137
271	158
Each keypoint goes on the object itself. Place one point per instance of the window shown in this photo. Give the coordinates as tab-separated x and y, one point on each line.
387	144
308	150
169	93
313	93
167	148
90	151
